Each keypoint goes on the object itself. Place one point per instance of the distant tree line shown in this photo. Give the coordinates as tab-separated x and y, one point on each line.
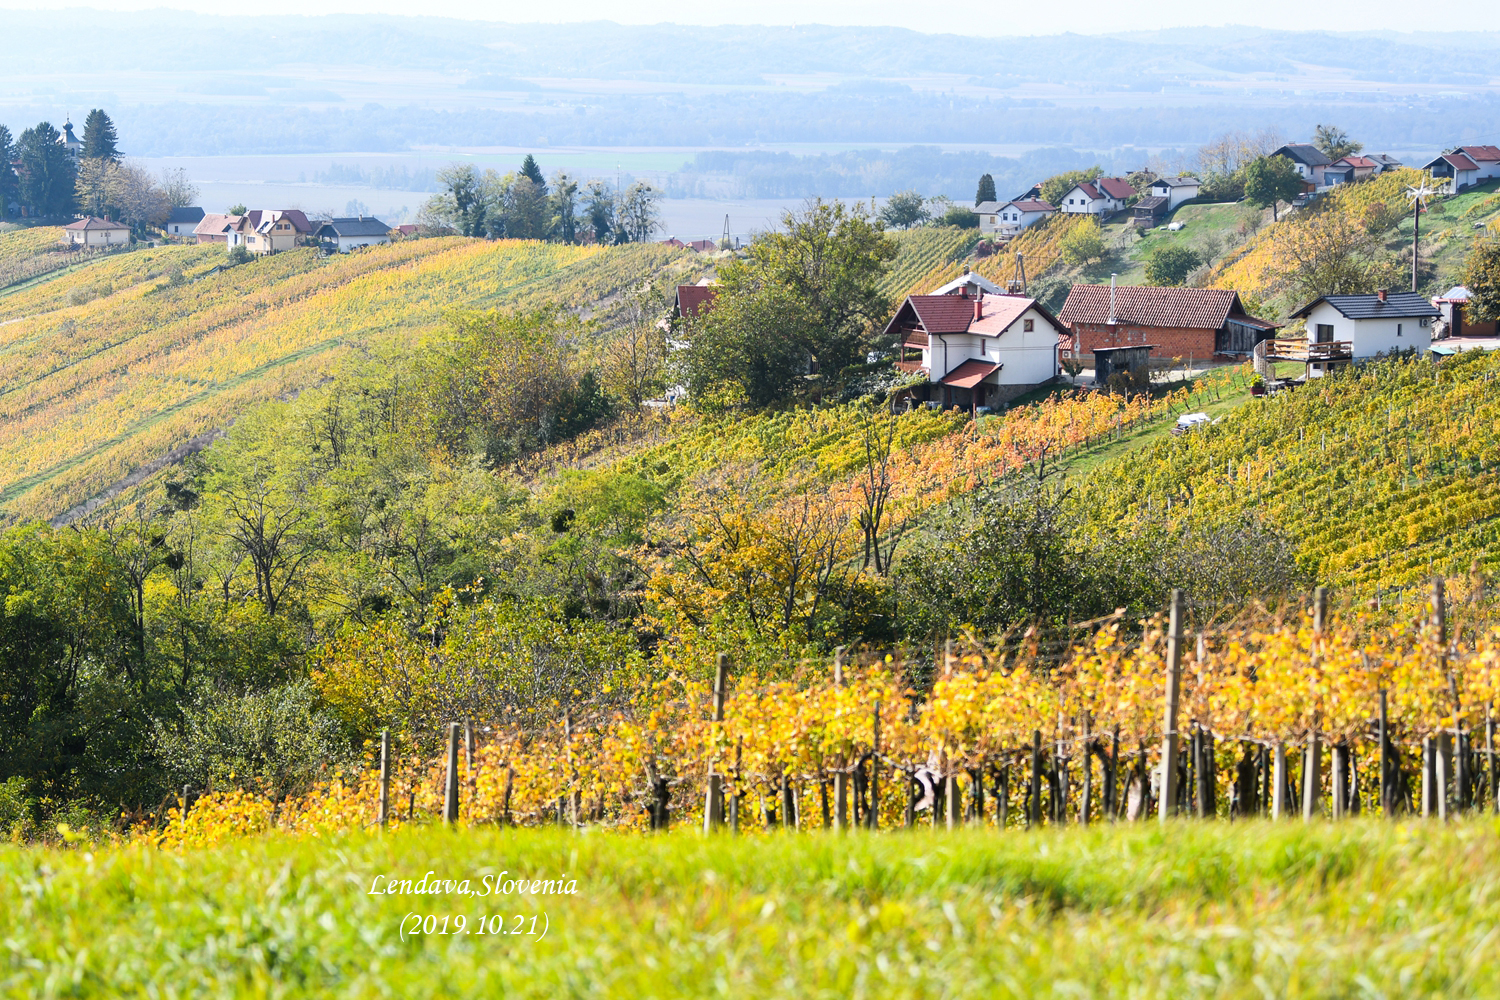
41	178
523	205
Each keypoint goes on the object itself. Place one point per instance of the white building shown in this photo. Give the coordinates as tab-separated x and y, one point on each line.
92	232
976	352
1466	166
183	221
1102	196
344	235
1310	161
1009	218
1175	189
1355	327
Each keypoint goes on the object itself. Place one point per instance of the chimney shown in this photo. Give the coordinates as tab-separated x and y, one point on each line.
1113	319
1382	294
979	308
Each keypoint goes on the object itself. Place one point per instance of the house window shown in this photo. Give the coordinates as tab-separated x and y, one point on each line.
1028	325
1398	329
1325	334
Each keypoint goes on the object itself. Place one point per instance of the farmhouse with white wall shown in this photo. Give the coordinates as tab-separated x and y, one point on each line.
975	352
1009	218
1175	189
1369	324
1102	196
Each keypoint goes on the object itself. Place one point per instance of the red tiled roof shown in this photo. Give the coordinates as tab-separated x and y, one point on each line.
942	313
1354	161
1186	308
969	374
1460	161
83	225
1479	154
1000	311
692	300
672	241
703	246
214	224
1116	187
1091	191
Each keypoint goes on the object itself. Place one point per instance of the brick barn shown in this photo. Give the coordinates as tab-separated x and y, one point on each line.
1177	322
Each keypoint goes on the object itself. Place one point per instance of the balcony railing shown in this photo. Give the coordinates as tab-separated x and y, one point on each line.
1301	350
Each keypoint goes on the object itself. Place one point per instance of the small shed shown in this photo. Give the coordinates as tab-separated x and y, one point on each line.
1150	211
1113	360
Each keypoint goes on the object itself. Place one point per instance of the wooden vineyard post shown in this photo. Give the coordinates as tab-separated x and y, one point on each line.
1429	748
510	780
713	806
1340	779
1034	793
789	818
1168	802
953	802
1087	797
471	773
383	816
1492	790
1312	783
840	777
734	800
1387	780
1278	782
1112	784
450	797
872	816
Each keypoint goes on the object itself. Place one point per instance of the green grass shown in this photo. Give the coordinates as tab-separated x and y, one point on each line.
1362	909
1215	224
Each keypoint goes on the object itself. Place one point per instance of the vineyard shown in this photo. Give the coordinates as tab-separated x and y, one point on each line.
1383	715
927	258
117	364
26	254
1382	477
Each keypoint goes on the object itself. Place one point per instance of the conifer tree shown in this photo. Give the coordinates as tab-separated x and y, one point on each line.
99	139
8	179
533	173
986	190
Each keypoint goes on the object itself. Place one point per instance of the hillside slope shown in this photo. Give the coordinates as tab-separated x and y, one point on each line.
1381	477
111	366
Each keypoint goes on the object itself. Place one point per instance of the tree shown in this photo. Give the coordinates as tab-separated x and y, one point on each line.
599	213
1333	142
903	210
639	214
564	205
1329	253
463	203
92	185
1170	264
959	217
986	190
180	191
526	210
1083	244
532	172
239	209
132	190
635	361
1270	180
1054	187
1482	279
99	139
47	183
9	183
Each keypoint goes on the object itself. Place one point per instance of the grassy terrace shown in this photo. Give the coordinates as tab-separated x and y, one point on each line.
1361	909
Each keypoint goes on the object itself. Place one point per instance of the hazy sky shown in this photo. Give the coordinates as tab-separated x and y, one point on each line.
956	16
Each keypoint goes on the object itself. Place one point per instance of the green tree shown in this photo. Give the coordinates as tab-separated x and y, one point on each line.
9	183
463	204
1084	244
1054	187
47	180
1334	142
532	172
639	214
903	210
809	291
1270	180
959	217
1170	264
564	205
239	209
599	212
986	191
1482	279
526	210
99	139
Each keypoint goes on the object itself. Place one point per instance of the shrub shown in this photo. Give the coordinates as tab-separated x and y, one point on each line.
1170	265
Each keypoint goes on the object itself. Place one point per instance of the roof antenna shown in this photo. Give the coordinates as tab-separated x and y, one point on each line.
1113	319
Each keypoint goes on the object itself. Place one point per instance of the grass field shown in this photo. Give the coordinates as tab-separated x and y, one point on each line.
1359	909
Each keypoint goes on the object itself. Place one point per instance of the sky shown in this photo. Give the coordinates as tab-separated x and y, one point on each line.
942	16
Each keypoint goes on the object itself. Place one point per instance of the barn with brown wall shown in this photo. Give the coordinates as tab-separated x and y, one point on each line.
1177	322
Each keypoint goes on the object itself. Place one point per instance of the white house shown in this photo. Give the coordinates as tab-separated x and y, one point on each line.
1456	168
343	235
1009	218
976	352
92	232
1101	196
183	221
1310	161
1175	189
1362	326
